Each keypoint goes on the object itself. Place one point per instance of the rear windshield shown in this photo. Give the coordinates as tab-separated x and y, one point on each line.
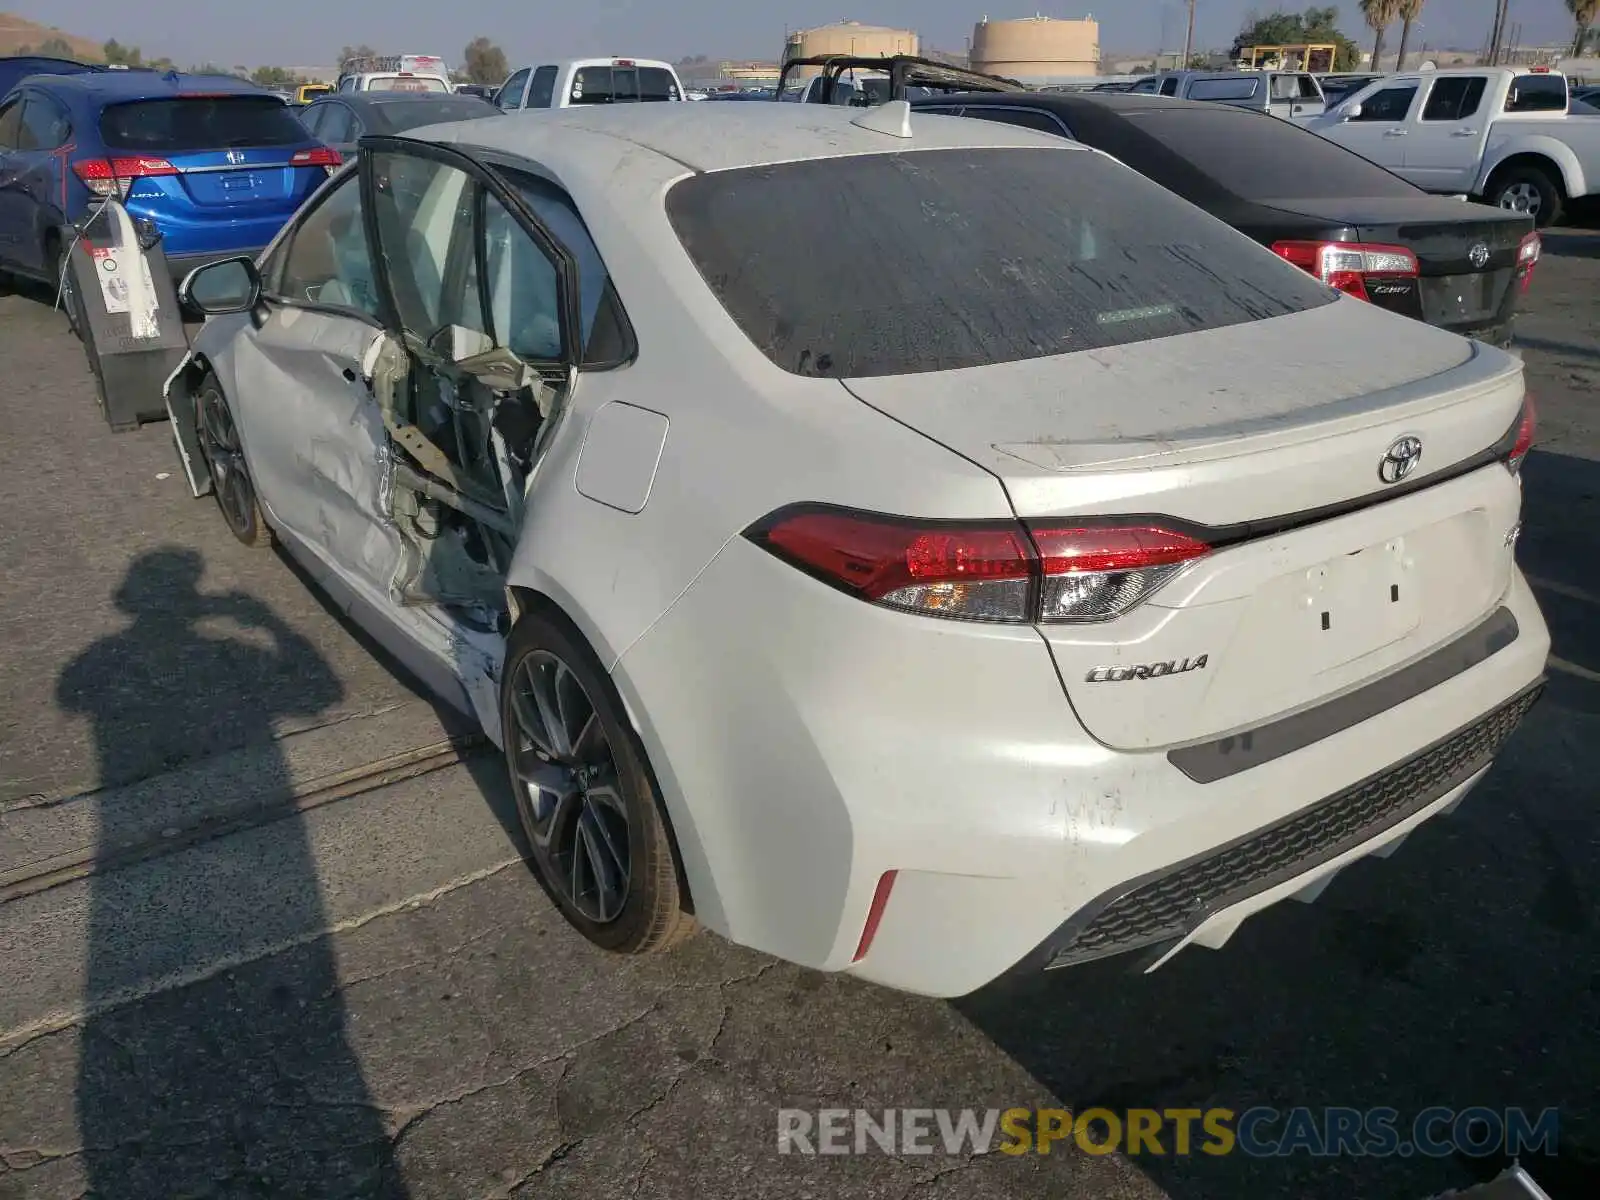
200	123
1537	93
406	83
1222	89
399	116
622	85
892	264
1255	158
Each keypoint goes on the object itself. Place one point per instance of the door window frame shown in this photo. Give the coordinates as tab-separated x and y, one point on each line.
336	110
276	261
6	110
553	79
488	184
1397	85
1456	116
505	89
32	99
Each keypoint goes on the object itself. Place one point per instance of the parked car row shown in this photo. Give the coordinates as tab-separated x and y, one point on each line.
216	164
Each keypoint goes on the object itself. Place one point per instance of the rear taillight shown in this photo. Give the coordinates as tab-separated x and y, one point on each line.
1347	266
1528	258
1097	574
114	176
1522	441
979	571
318	156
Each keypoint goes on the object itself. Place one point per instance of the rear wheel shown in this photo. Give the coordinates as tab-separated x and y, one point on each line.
1529	190
230	477
588	803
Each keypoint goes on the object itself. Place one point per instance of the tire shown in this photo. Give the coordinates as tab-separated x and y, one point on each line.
231	484
1531	190
582	784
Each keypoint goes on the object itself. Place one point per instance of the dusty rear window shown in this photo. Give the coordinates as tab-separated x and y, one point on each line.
892	264
406	83
200	123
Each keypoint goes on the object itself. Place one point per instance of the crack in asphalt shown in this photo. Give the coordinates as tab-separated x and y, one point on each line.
25	1035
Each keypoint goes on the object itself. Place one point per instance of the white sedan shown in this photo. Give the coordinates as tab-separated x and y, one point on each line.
916	547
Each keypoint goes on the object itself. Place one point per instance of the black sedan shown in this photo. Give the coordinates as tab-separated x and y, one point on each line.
340	120
1358	227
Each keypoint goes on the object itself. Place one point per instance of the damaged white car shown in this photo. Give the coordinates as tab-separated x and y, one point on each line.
920	547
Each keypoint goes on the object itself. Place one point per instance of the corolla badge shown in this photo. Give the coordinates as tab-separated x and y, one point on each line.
1478	256
1155	670
1400	459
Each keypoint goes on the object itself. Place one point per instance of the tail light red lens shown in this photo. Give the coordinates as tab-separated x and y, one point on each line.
1347	266
114	176
318	156
972	572
1527	426
1528	258
979	571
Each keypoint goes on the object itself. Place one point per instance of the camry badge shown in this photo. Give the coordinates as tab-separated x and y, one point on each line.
1400	459
1479	256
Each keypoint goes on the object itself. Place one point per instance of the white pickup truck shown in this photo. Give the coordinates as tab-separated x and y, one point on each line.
1497	134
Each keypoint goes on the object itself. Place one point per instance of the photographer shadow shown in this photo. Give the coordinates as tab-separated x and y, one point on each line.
243	1081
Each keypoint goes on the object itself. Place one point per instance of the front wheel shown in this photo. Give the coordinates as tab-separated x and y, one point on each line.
230	477
589	806
1531	191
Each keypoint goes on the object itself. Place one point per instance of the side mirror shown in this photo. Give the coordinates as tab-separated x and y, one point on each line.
230	286
1350	112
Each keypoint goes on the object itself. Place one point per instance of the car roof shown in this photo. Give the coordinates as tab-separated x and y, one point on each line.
380	98
1124	103
153	85
723	137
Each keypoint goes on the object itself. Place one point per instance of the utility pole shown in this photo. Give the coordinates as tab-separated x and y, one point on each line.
1497	35
1188	40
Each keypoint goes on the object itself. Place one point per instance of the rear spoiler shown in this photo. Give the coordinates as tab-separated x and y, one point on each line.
904	70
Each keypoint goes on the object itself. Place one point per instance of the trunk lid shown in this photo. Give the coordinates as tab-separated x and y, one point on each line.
243	177
1265	440
1453	290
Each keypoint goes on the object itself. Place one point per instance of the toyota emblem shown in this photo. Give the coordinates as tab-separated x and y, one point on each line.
1401	459
1479	256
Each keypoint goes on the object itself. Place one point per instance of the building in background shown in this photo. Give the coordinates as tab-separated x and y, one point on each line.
849	37
1037	50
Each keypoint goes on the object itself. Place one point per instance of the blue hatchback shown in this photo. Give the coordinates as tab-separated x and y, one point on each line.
215	163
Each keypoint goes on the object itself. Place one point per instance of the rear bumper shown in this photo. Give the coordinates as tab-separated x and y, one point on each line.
802	759
1166	907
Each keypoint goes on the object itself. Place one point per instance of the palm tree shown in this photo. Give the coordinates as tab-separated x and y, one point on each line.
1584	13
1408	11
1379	15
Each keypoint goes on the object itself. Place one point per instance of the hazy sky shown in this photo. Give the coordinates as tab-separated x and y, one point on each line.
310	32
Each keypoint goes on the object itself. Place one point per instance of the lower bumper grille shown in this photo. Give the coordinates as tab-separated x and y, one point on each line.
1173	903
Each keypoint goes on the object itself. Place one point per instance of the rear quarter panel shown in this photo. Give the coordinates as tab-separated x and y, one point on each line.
1570	144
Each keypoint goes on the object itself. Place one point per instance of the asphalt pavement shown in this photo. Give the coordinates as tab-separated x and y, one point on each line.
264	929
